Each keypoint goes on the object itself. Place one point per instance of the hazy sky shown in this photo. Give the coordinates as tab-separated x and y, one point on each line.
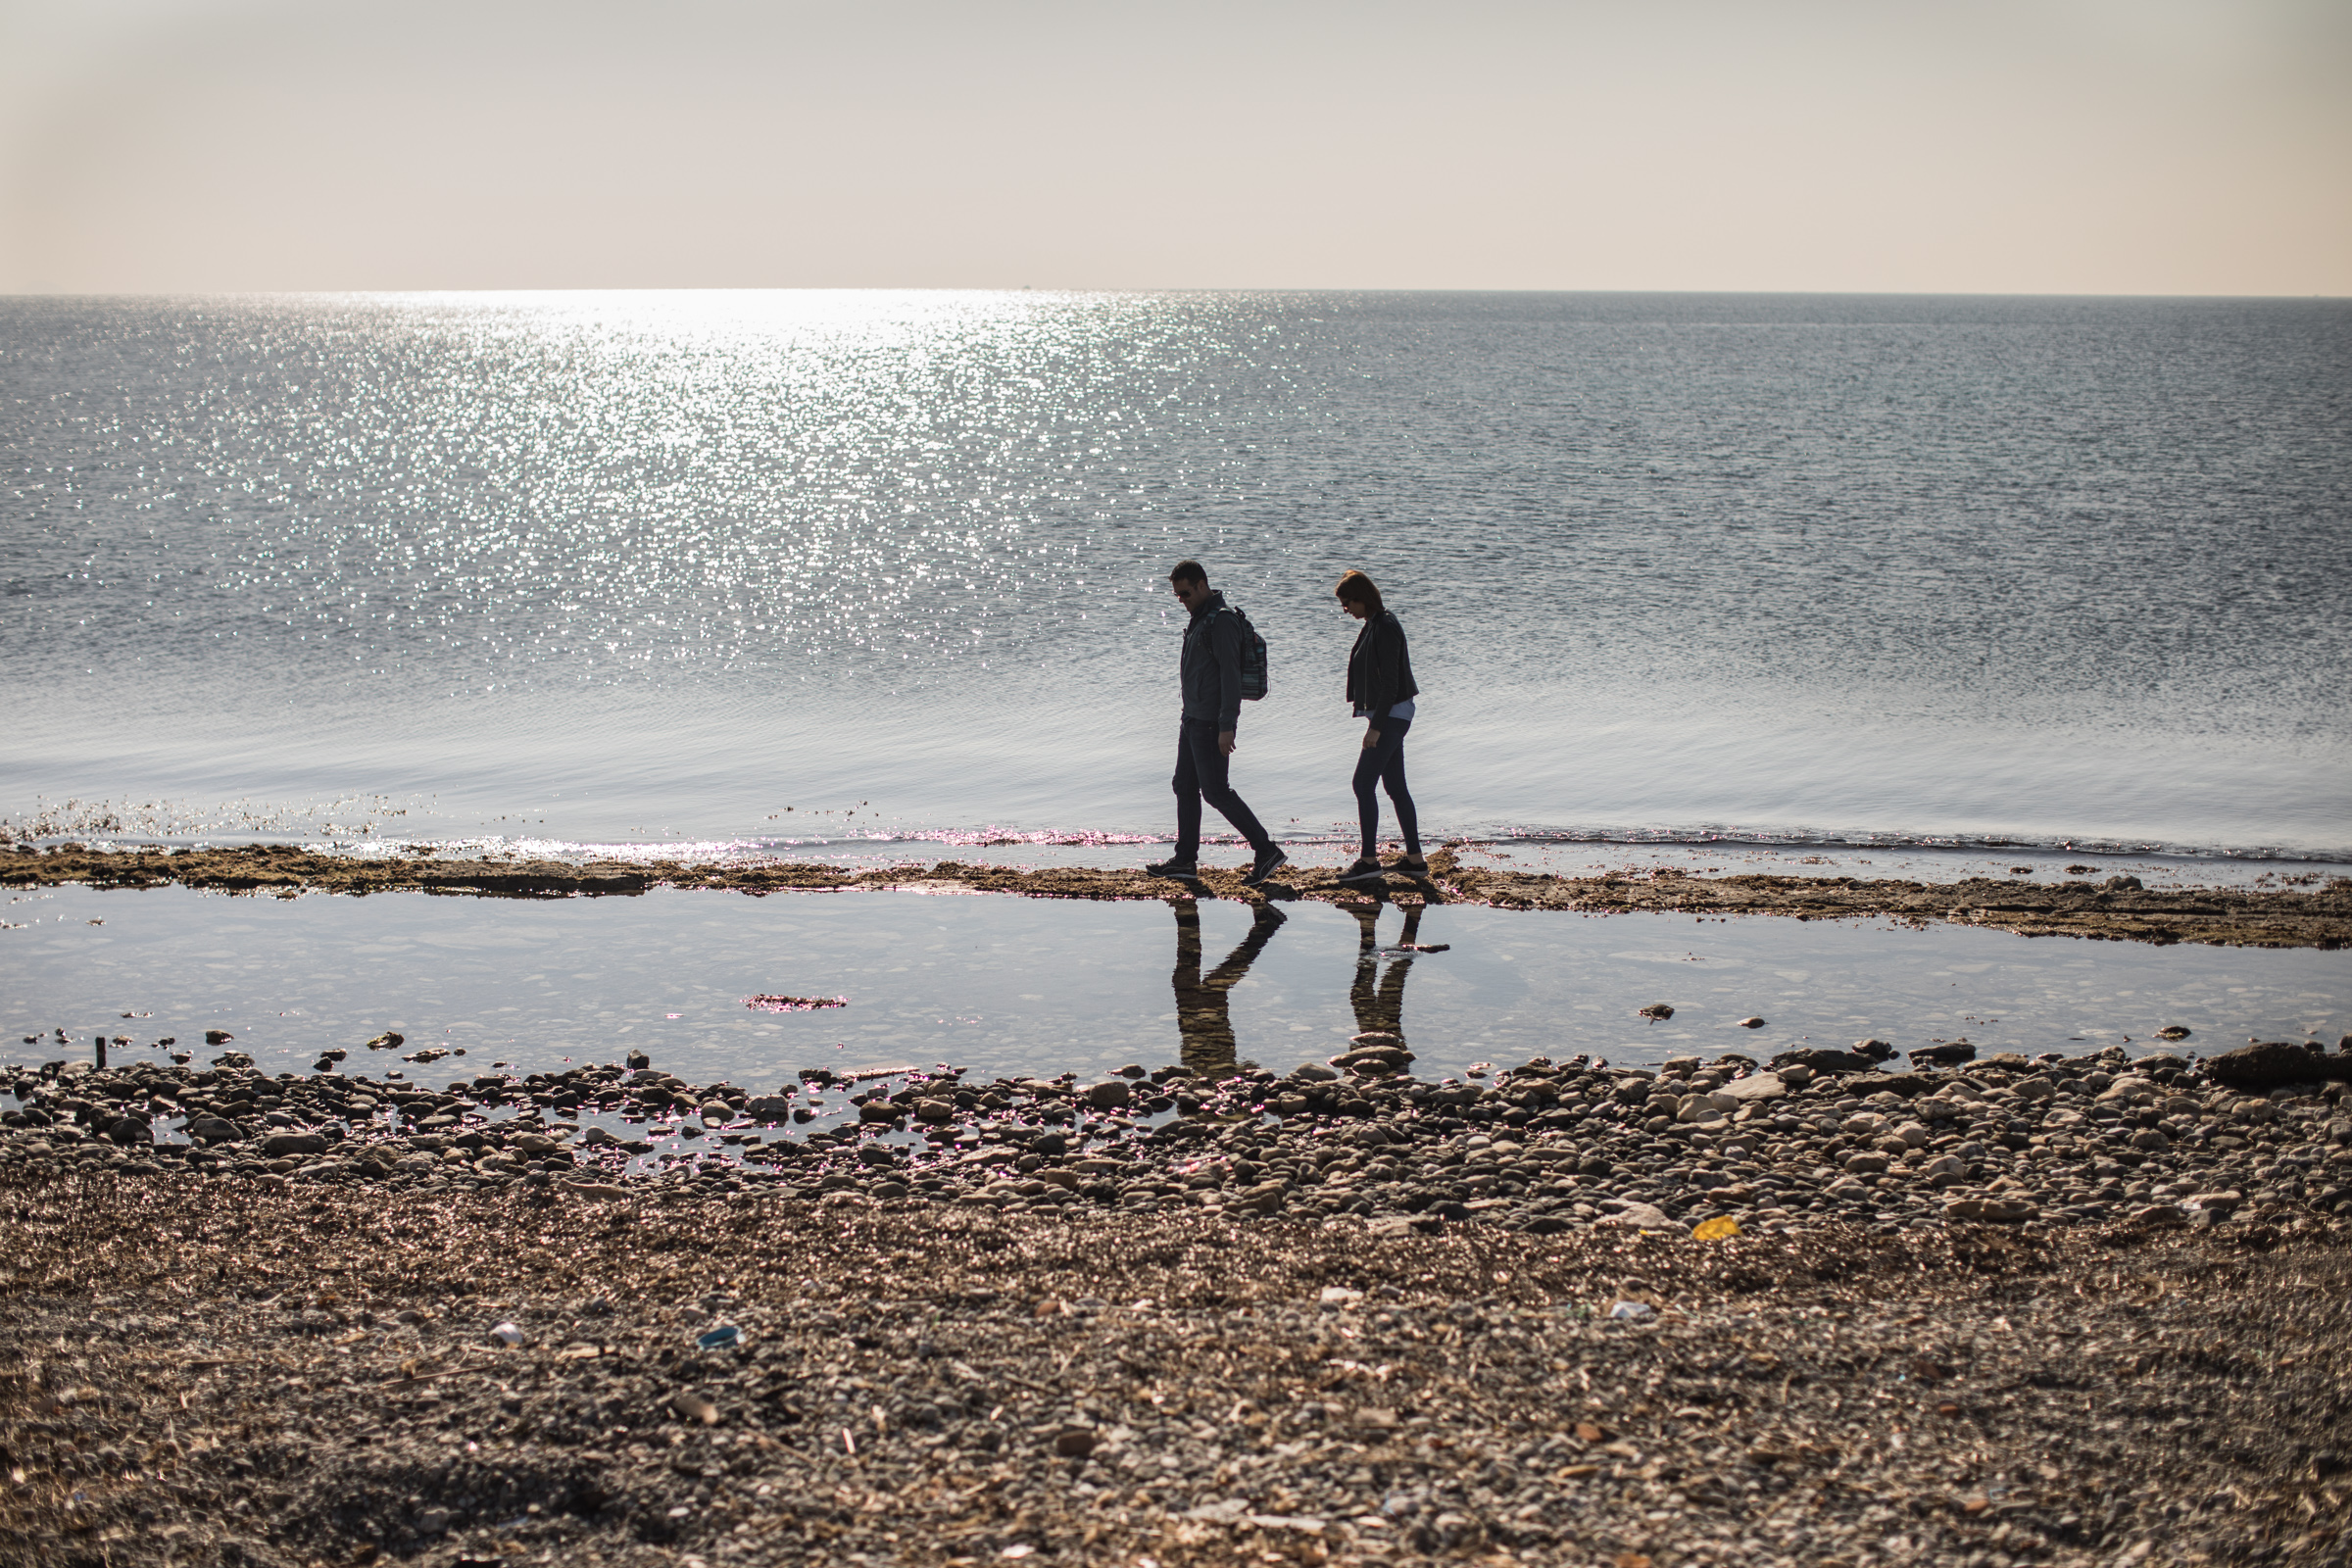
2064	146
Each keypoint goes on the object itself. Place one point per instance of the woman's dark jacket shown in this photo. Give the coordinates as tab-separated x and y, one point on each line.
1379	668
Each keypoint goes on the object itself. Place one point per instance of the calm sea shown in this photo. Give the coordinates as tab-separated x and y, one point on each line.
774	568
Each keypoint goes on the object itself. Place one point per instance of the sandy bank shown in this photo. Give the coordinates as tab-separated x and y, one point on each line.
2117	909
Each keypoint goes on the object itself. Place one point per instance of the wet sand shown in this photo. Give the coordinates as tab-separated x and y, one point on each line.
2117	909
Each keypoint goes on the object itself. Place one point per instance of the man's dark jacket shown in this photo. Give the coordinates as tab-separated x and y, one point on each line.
1211	668
1379	668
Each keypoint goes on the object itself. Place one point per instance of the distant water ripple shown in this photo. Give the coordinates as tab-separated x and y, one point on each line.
655	567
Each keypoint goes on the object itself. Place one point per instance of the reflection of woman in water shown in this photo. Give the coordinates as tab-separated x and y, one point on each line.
1380	998
1201	1018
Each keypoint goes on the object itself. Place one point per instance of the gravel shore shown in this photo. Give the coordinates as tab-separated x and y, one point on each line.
252	1373
2112	908
1815	1137
2081	1310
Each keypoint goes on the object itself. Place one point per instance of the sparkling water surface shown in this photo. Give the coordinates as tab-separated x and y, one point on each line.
740	568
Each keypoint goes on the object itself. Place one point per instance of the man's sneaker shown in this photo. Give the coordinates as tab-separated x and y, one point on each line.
1269	860
1413	865
1365	870
1175	869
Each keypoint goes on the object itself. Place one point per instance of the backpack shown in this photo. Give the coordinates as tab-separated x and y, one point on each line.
1253	656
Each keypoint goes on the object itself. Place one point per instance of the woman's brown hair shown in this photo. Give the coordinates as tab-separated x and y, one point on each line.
1356	589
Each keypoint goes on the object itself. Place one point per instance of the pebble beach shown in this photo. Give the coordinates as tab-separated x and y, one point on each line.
1827	1308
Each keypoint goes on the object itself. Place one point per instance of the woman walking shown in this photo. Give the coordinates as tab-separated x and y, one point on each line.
1381	689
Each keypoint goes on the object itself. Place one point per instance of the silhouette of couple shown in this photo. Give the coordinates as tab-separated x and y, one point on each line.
1203	1018
1222	665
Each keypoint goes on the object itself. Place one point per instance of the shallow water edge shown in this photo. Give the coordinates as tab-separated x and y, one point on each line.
2119	908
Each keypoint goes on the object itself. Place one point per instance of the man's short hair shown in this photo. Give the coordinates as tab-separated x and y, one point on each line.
1190	572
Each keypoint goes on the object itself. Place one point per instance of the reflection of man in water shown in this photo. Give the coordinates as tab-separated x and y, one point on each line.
1380	998
1200	1000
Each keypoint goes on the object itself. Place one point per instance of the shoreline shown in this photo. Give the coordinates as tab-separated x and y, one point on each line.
2253	1136
2117	909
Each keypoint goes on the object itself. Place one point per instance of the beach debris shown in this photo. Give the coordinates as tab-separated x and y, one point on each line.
1721	1228
508	1334
692	1405
1631	1311
1657	1012
783	1003
727	1337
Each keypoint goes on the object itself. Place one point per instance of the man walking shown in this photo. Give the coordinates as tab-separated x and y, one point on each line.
1211	673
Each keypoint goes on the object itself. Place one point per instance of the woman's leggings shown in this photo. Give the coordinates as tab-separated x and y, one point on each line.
1384	764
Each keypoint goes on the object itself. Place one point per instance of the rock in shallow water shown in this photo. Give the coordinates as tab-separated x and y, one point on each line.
2265	1065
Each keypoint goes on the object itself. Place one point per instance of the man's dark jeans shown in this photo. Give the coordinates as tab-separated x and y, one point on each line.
1201	775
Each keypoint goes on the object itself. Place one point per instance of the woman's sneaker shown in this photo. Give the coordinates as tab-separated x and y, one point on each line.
1175	870
1413	865
1269	860
1365	870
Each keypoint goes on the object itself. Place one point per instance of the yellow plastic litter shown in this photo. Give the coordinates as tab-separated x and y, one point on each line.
1716	1229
